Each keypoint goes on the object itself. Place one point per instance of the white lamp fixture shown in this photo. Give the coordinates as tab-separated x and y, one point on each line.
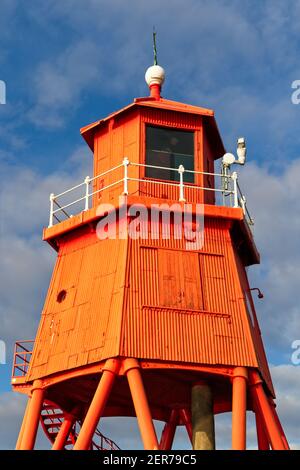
229	159
241	150
155	75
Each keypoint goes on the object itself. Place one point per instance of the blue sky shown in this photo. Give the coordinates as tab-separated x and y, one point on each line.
65	65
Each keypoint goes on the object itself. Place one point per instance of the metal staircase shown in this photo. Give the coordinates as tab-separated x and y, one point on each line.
52	418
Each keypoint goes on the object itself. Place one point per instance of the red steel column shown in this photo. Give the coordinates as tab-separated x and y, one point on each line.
97	405
33	416
262	438
283	436
64	431
140	402
155	91
239	407
185	416
18	444
266	413
168	432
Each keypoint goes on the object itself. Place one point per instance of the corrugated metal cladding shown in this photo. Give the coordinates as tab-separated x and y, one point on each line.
151	189
147	298
185	305
171	118
248	304
115	141
81	320
169	235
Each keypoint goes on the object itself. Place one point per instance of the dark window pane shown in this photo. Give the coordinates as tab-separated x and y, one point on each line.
169	148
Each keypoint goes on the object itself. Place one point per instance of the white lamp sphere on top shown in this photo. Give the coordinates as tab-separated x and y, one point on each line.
155	75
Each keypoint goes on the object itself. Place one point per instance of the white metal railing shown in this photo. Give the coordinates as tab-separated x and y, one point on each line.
228	194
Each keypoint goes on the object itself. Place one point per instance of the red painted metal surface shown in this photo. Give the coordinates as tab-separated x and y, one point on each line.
85	326
167	315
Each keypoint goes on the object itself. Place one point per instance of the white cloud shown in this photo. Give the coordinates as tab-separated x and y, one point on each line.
7	10
27	261
274	203
287	385
12	407
218	54
11	412
60	85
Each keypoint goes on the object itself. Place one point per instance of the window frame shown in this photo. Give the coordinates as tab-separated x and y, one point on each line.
197	146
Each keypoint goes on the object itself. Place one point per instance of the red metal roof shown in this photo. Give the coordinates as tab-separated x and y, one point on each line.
88	131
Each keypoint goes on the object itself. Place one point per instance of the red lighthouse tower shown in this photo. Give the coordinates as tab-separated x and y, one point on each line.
149	311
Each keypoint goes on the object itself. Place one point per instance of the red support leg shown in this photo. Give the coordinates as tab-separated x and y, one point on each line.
185	416
239	407
266	413
277	420
33	416
262	438
18	444
97	405
140	402
168	432
64	431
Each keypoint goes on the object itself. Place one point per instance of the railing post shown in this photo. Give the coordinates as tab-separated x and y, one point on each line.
87	182
52	197
234	178
181	185
125	164
243	204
